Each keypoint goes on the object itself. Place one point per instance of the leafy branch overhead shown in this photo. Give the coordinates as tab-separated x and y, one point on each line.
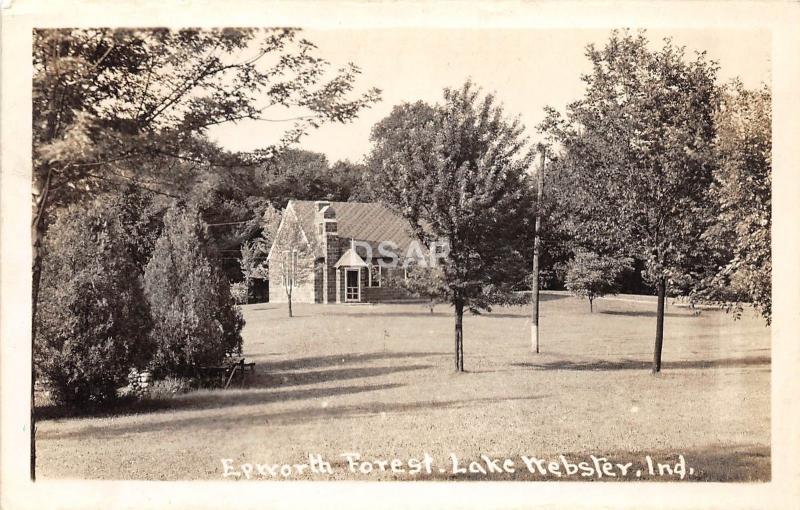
106	99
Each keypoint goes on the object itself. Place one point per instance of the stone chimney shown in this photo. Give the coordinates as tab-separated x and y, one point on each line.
327	232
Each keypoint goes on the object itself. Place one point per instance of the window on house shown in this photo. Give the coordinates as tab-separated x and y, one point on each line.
375	275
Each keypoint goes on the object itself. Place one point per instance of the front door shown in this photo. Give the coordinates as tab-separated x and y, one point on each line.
351	285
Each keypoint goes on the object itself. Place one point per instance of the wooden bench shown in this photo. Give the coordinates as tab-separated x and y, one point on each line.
226	372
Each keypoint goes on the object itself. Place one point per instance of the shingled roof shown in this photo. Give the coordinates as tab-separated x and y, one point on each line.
362	221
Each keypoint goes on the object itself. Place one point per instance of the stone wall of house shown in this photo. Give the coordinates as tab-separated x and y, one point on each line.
334	248
386	292
302	292
326	232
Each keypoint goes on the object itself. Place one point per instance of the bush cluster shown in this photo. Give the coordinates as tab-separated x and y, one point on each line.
92	321
195	320
100	313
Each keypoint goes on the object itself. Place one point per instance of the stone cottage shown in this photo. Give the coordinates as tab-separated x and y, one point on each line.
345	243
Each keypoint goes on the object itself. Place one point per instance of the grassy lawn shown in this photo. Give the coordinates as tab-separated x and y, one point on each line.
378	380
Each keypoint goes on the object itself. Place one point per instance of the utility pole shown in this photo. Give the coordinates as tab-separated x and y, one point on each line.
536	242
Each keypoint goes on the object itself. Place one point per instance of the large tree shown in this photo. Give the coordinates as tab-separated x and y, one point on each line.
741	202
639	148
114	106
457	171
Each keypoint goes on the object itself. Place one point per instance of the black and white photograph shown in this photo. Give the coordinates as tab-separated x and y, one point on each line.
283	252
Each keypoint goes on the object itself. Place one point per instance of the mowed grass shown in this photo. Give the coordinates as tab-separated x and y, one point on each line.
378	380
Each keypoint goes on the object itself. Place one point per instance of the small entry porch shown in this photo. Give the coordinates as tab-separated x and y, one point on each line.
351	275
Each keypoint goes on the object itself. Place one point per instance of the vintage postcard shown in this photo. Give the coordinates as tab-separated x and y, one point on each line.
463	254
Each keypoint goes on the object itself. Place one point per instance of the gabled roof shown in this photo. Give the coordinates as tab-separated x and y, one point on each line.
350	259
362	221
289	210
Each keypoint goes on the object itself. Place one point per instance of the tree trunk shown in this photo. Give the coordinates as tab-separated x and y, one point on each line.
662	292
37	237
42	181
459	336
535	276
591	309
290	306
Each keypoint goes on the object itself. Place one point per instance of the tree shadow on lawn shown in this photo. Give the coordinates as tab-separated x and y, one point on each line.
645	313
526	315
424	312
294	316
546	296
421	313
342	359
208	399
521	315
321	376
259	307
631	364
304	415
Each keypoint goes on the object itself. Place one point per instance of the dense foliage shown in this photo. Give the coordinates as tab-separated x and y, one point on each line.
306	175
130	109
422	281
195	320
93	322
741	194
119	106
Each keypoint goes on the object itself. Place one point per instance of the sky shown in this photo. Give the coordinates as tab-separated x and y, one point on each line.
527	69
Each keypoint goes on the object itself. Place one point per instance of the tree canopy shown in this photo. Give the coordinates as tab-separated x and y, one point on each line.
107	97
739	235
640	151
115	106
457	171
